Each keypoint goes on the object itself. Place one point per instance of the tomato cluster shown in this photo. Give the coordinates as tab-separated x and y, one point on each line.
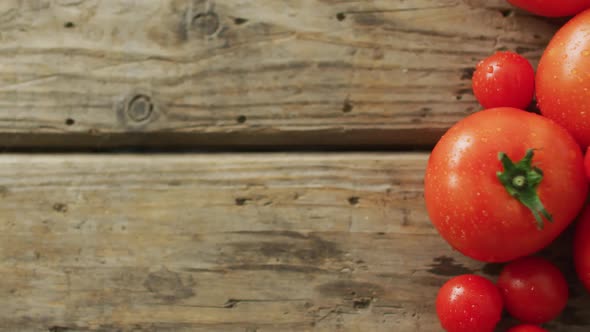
504	183
531	289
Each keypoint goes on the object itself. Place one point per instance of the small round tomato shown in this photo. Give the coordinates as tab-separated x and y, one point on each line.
527	328
493	198
505	79
552	8
469	303
533	289
563	79
582	247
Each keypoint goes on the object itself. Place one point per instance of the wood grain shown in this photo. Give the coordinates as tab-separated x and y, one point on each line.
247	73
219	242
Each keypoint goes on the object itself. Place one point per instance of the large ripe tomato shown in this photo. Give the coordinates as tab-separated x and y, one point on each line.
533	289
504	79
552	8
527	328
563	78
469	303
473	210
582	247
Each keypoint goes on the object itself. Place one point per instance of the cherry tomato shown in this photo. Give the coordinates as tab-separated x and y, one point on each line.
552	8
505	79
533	289
582	247
469	303
482	213
527	328
563	78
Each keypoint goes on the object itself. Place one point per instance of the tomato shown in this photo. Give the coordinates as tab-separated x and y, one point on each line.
533	289
582	247
470	204
505	79
587	162
563	78
552	8
527	328
469	303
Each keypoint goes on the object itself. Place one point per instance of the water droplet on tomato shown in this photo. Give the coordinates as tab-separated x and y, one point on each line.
490	69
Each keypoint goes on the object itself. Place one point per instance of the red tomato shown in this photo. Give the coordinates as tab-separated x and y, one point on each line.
474	211
527	328
533	289
469	303
563	78
582	247
505	79
552	8
587	162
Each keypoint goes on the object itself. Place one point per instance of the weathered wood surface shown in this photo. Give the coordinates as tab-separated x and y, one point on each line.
249	242
274	242
113	73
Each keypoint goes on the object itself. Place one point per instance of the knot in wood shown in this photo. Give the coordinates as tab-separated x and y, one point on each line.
140	108
206	23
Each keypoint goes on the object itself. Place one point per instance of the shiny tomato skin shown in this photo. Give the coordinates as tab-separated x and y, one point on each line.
469	206
504	79
469	303
563	78
582	247
527	328
552	8
533	289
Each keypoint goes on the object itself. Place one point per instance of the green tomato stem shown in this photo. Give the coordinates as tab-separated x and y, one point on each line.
521	181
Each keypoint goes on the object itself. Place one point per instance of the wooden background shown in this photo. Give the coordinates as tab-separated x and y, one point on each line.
300	204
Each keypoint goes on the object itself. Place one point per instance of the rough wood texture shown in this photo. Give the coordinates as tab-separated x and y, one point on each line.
112	73
226	243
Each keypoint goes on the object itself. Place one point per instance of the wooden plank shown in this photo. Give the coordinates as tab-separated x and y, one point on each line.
217	242
194	73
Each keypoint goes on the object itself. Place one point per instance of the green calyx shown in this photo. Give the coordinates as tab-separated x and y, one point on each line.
521	180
